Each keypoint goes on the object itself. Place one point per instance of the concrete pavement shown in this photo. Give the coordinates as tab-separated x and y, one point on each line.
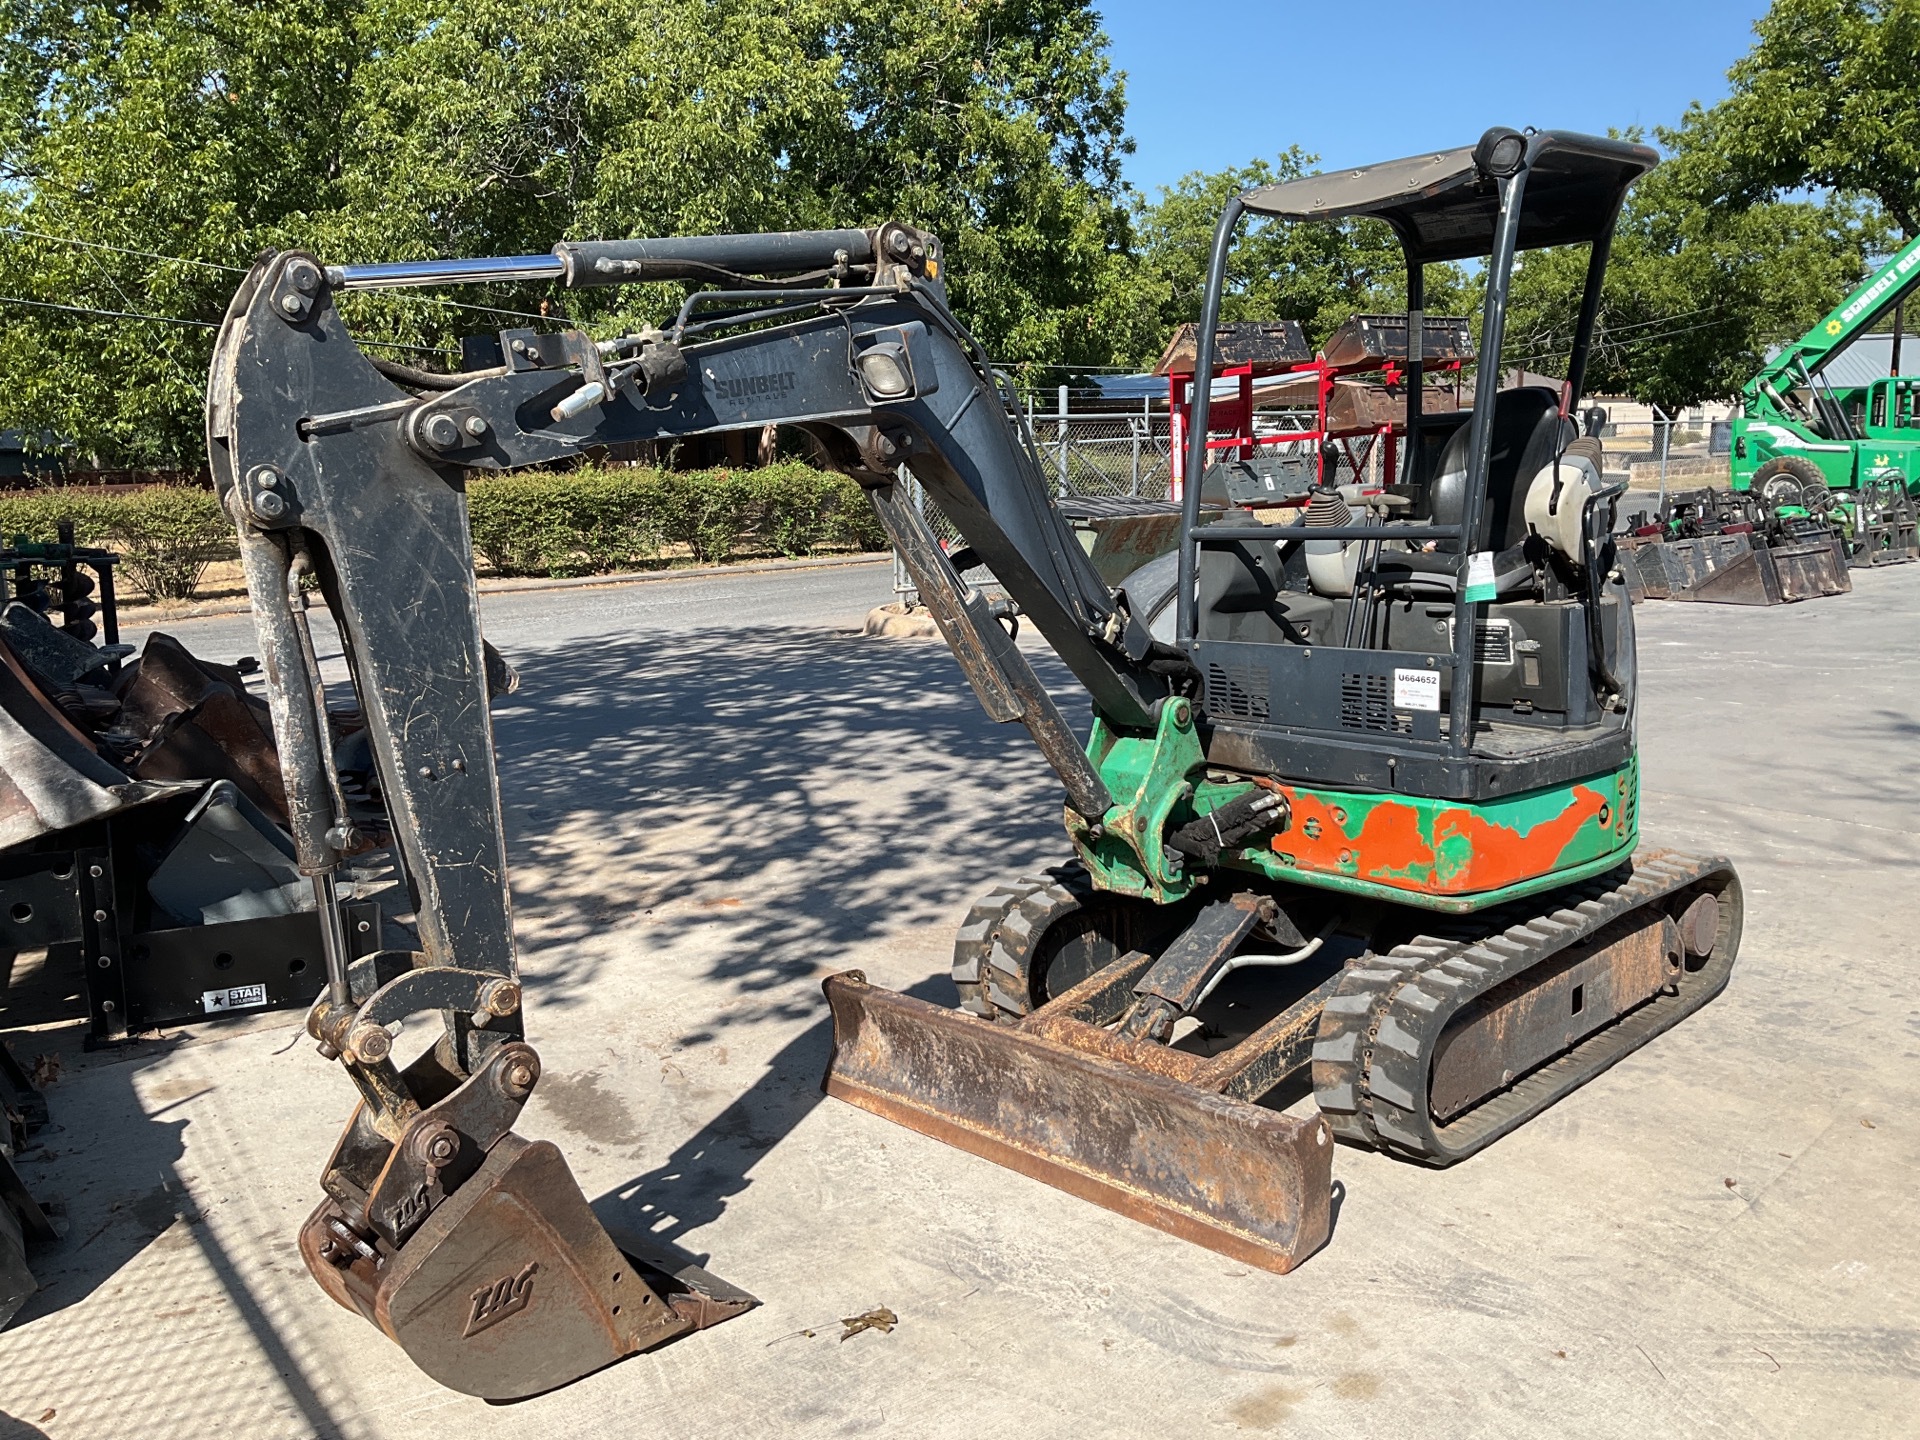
725	795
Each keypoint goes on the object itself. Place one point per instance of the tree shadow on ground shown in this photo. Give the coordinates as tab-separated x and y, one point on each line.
805	790
115	1159
803	793
823	790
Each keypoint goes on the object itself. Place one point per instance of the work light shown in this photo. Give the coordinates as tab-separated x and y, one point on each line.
885	371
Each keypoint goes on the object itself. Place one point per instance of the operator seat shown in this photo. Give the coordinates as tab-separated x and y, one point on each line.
1528	432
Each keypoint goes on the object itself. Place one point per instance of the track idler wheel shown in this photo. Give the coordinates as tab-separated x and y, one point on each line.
1029	940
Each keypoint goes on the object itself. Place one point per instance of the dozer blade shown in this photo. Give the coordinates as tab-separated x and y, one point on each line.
1248	1182
512	1287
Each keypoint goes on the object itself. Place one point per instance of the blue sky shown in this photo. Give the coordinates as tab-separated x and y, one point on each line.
1212	83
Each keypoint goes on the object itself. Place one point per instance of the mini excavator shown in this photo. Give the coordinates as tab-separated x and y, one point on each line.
1357	816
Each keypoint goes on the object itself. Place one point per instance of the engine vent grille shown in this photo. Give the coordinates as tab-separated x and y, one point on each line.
1239	690
1366	703
1492	642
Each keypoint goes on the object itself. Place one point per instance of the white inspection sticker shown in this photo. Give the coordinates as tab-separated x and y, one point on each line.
1416	689
237	997
1480	578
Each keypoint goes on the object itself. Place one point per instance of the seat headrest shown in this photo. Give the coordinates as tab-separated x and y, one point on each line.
1528	432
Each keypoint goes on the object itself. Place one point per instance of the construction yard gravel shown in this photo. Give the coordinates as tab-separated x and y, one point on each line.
719	792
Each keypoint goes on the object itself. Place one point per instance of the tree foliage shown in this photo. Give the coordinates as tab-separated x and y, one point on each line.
1771	205
1318	274
1825	98
1695	294
210	130
193	134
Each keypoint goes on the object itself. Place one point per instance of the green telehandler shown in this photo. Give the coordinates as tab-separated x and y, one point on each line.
1853	451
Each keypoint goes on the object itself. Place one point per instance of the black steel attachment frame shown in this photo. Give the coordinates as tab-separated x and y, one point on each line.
138	972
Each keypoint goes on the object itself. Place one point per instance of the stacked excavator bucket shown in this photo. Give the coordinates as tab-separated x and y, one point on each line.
1732	570
1727	548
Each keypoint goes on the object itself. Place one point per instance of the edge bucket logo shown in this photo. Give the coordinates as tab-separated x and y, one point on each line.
508	1295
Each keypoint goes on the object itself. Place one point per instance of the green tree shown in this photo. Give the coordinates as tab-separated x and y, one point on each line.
1318	274
1000	127
1826	98
385	129
185	131
1771	205
1695	294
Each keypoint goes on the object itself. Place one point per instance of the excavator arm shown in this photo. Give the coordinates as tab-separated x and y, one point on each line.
345	478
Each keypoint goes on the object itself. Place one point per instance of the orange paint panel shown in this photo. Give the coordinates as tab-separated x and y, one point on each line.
1394	848
1502	855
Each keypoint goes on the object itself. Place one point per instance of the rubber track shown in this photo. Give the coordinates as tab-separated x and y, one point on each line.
994	948
1374	1051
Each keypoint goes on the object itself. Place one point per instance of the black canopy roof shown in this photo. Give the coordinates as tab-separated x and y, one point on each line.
1443	207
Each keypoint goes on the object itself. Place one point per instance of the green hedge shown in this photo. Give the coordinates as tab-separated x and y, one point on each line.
167	534
574	522
588	521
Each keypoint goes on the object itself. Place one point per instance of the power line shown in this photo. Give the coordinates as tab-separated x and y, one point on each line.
1619	345
1061	365
483	309
1602	330
198	324
107	314
120	249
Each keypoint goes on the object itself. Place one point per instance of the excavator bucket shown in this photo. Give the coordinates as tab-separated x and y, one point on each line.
1141	1129
512	1287
1733	570
1749	574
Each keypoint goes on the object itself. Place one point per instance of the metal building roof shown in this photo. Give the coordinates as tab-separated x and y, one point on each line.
1870	358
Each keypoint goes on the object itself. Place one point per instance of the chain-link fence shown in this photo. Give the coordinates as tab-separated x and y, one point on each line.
1127	454
1106	452
1654	452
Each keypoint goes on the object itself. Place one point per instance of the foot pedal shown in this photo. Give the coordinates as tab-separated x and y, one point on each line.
511	1287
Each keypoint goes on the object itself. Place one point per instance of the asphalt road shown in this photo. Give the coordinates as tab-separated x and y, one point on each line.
718	794
835	596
